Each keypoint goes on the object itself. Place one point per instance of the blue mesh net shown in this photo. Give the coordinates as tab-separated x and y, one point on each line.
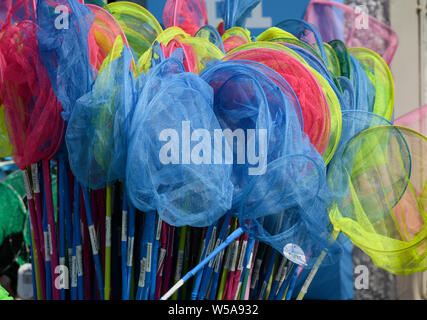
64	50
174	113
305	32
319	66
285	202
348	94
98	129
211	34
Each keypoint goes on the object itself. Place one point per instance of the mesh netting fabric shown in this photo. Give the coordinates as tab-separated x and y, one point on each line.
416	120
235	12
273	206
307	33
32	111
338	21
140	26
102	36
98	130
380	76
314	105
189	15
211	34
189	191
384	210
5	147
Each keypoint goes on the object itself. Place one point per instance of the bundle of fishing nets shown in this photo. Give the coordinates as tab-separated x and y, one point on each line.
284	139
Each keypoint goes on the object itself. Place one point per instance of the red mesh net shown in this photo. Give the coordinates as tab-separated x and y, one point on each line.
416	120
314	105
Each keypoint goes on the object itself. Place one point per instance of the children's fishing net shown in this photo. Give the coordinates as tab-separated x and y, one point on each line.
140	26
272	204
189	15
64	50
353	26
235	12
32	111
171	161
381	172
416	120
378	73
97	132
314	105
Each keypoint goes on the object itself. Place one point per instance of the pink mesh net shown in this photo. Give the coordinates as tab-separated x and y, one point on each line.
416	120
189	15
338	21
190	62
32	111
233	42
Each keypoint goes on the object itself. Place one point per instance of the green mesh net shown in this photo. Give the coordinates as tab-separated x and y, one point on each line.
384	197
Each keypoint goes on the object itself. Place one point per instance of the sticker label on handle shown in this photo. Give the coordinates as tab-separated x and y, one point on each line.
35	177
242	256
141	282
92	236
228	255
50	239
27	185
108	231
74	272
130	251
295	254
124	225
149	250
257	268
218	261
281	271
79	261
211	242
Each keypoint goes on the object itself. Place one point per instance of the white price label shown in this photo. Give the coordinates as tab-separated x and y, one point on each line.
180	262
124	225
108	231
27	185
93	238
295	254
159	229
141	282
